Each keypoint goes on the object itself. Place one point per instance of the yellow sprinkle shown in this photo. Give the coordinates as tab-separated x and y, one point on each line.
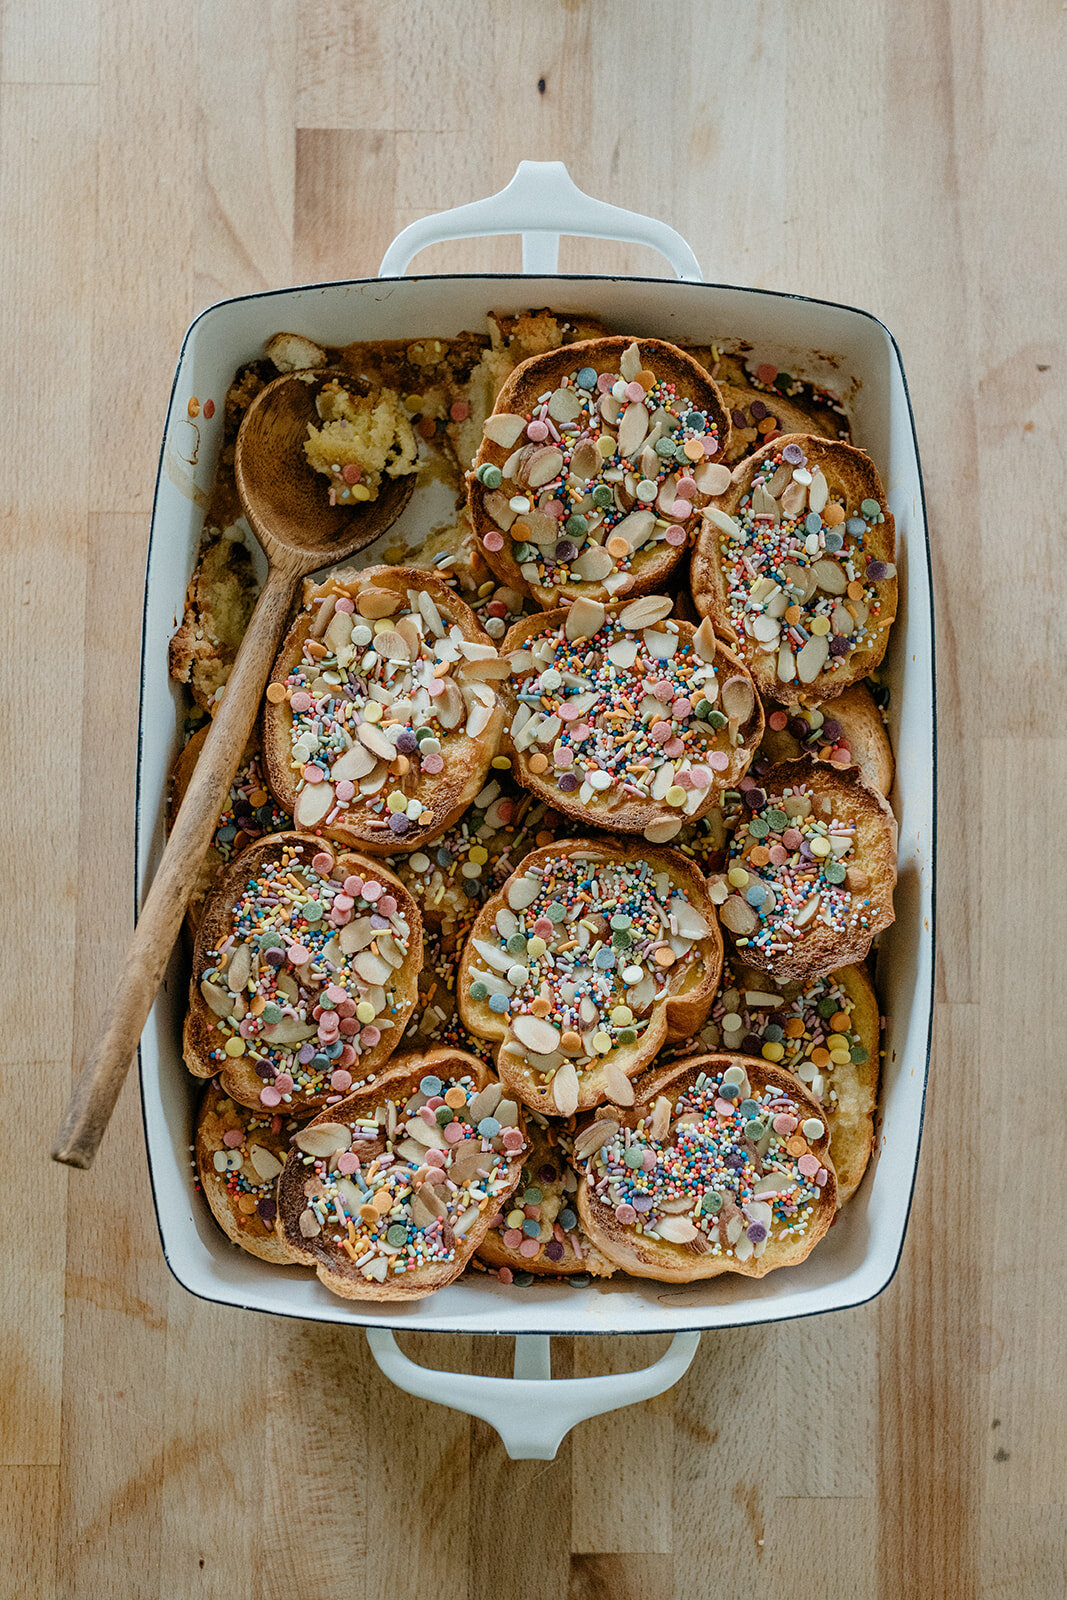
365	1011
773	1052
235	1047
737	877
478	854
621	1015
820	625
840	1058
501	763
372	711
536	946
602	1042
397	801
836	1041
675	795
606	446
819	846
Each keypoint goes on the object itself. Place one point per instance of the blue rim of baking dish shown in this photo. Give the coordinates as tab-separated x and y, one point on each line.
585	277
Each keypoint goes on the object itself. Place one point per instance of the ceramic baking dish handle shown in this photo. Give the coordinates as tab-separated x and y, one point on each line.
532	1412
541	202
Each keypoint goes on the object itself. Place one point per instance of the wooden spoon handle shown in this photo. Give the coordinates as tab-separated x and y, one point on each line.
93	1098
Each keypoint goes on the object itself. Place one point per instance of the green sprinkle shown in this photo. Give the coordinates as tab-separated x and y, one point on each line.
444	1115
396	1235
826	1009
834	872
479	990
715	719
312	910
602	495
490	476
870	509
516	945
577	527
859	1054
556	912
776	819
711	1202
758	828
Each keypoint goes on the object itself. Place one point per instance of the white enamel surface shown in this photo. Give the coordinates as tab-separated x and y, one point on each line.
858	360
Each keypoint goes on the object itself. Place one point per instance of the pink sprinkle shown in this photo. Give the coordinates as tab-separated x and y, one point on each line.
345	789
581	730
681	509
505	1275
674	537
344	604
778	855
746	784
555	509
792	838
821	1177
435	1101
433	764
353	886
454	1132
269	1095
512	1139
766	374
436	686
563	757
723	1107
370	1037
648	1161
335	993
283	1083
301	701
530	1248
341	1080
313	774
387	904
718	760
348	1161
701	778
247	1027
298	954
684	780
543	928
349	1027
232	1138
435	1158
537	430
425	1114
682	708
568	713
687	487
347	1058
711	445
604	382
343	902
634	391
625	1214
513	1238
660	732
663	690
494	541
808	1165
372	890
777	720
459	411
674	747
322	863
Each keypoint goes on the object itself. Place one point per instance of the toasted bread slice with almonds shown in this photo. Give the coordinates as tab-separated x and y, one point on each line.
381	1199
305	972
538	1229
625	718
736	1176
826	1033
635	424
810	875
250	812
383	710
239	1154
583	964
794	564
848	732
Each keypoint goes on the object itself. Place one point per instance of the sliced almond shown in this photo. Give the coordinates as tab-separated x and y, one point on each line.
313	803
543	466
738	699
630	361
594	1137
504	428
829	577
374	604
565	1090
536	1033
787	667
812	657
818	490
737	915
309	1223
705	643
677	1230
290	1030
712	477
217	999
793	498
323	1139
636	528
356	763
593	565
371	968
339	631
617	1086
373	739
584	619
355	936
633	426
646	612
660	1120
391	644
265	1163
663	832
485	1103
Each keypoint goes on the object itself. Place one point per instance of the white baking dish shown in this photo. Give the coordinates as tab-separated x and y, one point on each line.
858	359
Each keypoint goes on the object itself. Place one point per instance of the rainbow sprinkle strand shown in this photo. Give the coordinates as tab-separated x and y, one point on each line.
724	1171
400	1185
305	983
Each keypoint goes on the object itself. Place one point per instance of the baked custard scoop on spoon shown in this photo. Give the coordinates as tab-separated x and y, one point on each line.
289	513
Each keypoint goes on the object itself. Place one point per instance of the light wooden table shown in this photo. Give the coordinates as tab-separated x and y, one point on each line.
903	156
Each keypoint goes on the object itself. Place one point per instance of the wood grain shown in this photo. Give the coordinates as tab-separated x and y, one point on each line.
903	157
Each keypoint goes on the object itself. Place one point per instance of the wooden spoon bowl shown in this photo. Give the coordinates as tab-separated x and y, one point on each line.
285	500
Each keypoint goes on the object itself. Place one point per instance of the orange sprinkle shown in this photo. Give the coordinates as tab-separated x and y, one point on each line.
792	615
455	1098
538	762
796	1145
426	426
617	547
794	1028
820	1057
368	1214
767	425
571	1043
316	649
540	1007
400	767
694	449
855	590
442	669
646	379
520	529
760	856
383	1202
276	693
839	1021
193	407
833	514
665	956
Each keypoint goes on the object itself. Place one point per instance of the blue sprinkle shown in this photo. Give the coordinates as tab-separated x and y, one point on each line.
755	894
813	522
855	526
833	540
605	960
567	1220
430	1086
498	1003
531	1228
586	377
489	1127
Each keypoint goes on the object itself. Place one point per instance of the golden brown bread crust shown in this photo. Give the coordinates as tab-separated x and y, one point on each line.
398	1084
548	1170
207	1032
241	1195
801	1024
647	566
677	1008
699	670
685	1262
244	812
862	740
465	718
836	920
852	481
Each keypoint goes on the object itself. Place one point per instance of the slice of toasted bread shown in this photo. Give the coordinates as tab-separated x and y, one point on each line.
847	732
810	875
804	588
721	1126
749	409
305	972
580	1007
625	718
390	748
239	1154
374	1146
538	1229
218	603
249	813
457	873
544	465
826	1033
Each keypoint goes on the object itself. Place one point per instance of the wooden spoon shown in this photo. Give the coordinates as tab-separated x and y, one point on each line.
287	506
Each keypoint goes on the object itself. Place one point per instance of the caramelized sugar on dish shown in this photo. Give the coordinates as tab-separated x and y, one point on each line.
395	1186
628	718
576	965
728	1169
362	439
304	973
